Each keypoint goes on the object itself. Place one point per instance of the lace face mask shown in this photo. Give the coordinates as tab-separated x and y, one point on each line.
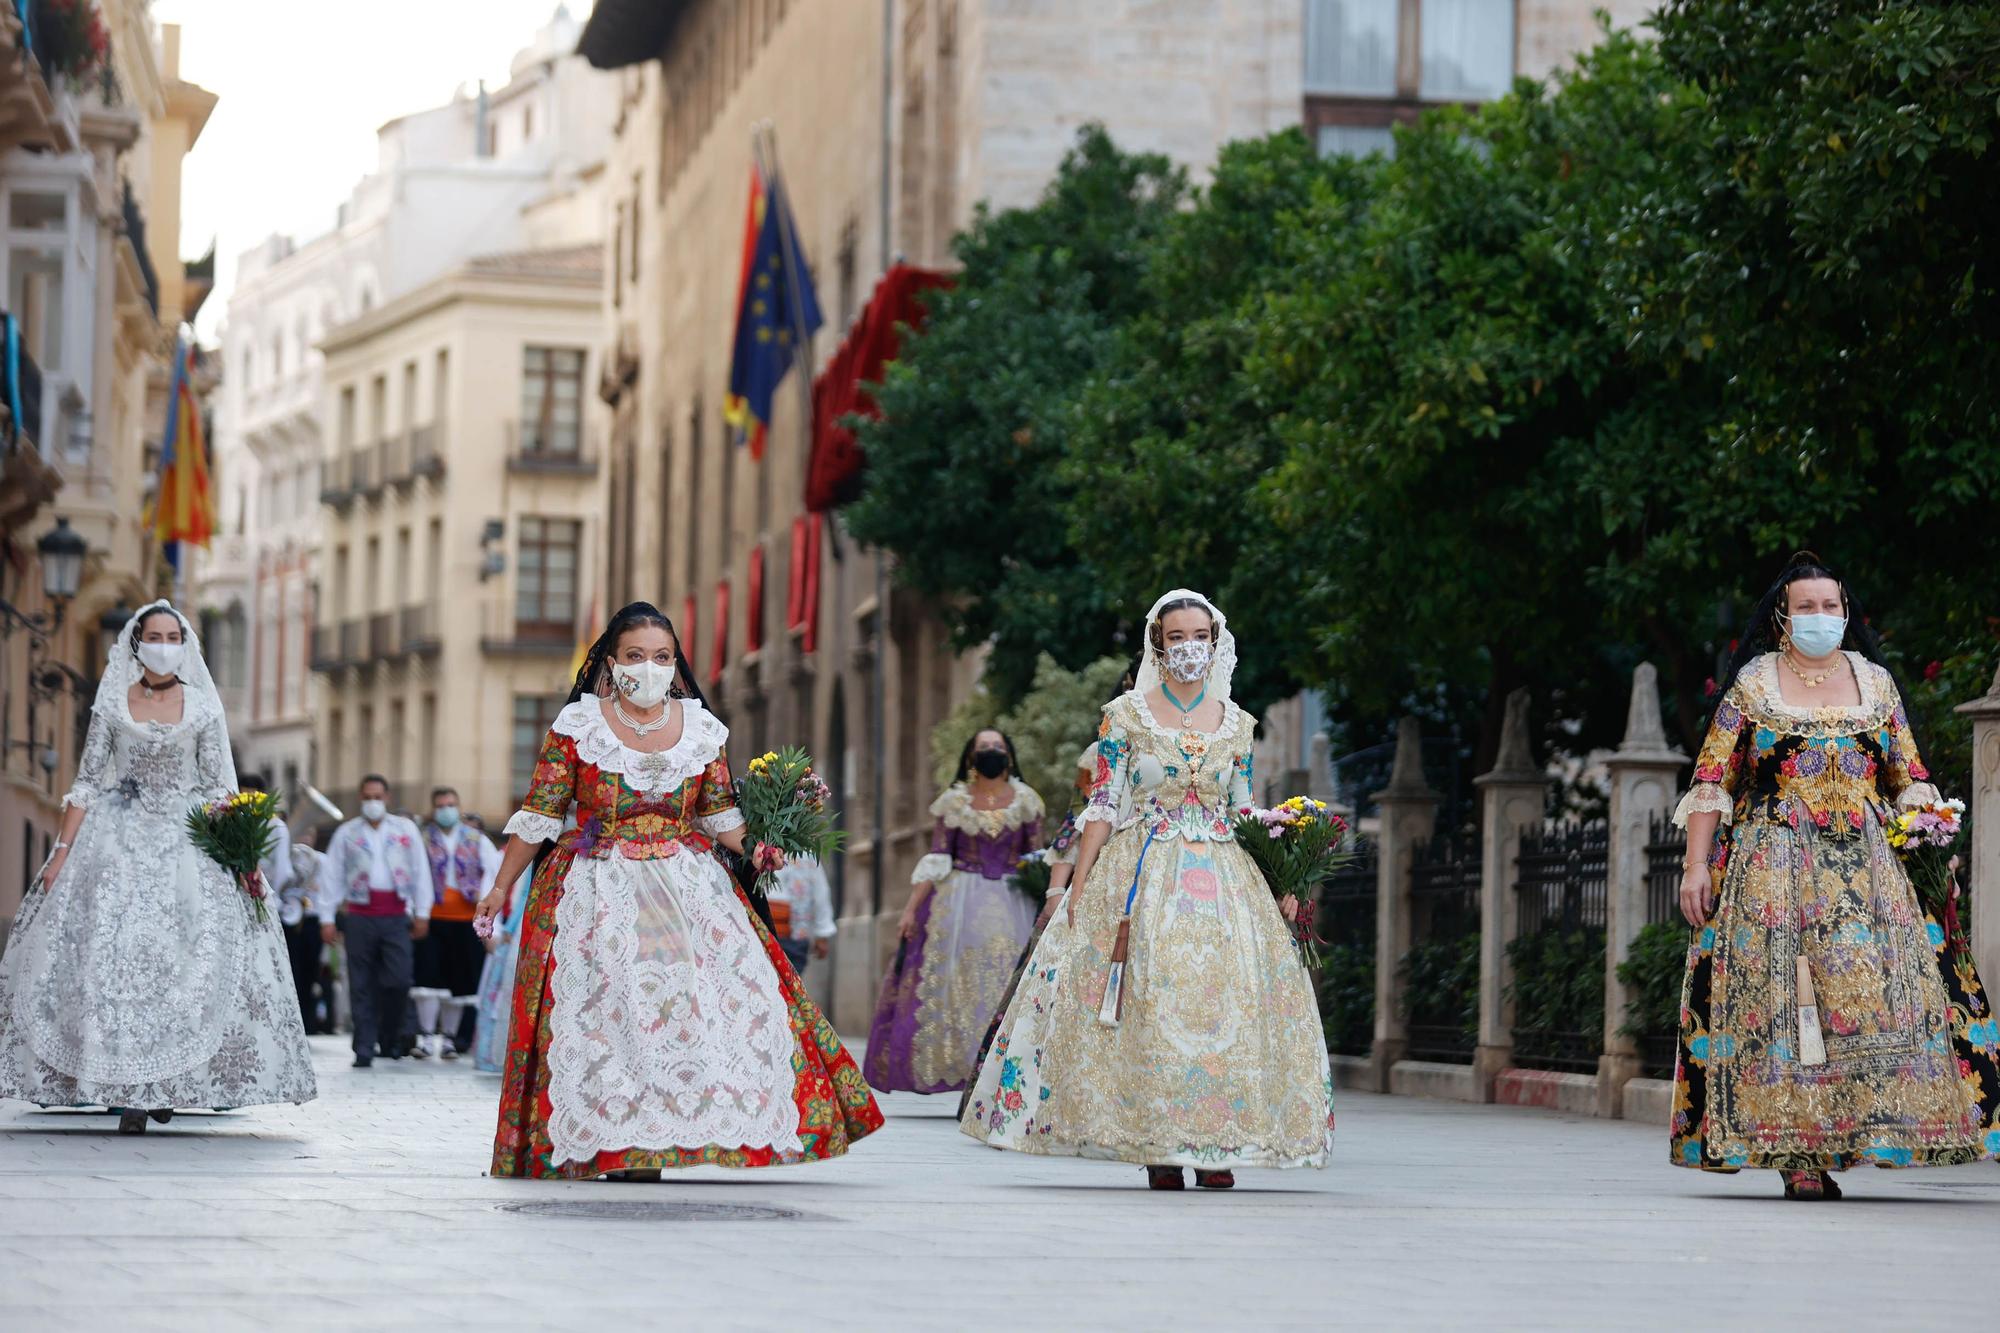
1187	662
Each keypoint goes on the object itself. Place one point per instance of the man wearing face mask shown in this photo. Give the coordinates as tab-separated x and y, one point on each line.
463	862
376	865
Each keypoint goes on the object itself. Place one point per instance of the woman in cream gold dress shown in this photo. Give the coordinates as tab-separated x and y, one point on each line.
1208	1051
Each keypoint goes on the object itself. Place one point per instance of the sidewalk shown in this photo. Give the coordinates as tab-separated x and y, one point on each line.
369	1209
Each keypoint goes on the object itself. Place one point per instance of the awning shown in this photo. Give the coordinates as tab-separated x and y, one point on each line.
628	32
833	475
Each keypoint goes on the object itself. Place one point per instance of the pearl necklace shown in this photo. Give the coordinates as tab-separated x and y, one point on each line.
640	729
1812	681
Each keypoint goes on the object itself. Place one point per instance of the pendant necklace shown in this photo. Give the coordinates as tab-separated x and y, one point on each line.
641	729
1187	710
149	691
1812	681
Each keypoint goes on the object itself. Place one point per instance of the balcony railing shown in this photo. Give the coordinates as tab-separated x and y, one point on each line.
396	460
532	448
382	636
425	458
419	630
336	481
352	633
135	227
326	649
367	464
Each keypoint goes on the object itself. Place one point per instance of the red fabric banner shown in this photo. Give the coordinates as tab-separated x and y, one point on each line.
810	640
721	658
833	473
795	582
688	636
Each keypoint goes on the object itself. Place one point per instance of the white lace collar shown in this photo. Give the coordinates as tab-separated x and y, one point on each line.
702	739
955	808
1867	676
1232	717
194	707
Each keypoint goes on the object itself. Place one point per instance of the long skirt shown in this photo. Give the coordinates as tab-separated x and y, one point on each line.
946	984
656	1024
143	979
1217	1058
1912	1075
496	1003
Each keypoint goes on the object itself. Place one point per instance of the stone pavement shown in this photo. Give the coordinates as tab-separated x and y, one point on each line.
369	1209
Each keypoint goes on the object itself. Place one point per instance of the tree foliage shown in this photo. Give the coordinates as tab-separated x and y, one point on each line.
1050	726
1554	389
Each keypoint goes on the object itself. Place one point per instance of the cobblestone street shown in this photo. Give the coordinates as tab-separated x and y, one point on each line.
369	1209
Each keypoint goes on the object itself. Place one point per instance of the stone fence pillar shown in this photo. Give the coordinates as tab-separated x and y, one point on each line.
1645	775
1983	809
1512	798
1408	815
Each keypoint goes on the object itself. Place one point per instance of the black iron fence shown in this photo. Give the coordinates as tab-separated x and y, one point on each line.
1654	968
1345	924
1557	955
1441	970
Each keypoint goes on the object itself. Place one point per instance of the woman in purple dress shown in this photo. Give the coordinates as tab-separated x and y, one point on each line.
964	927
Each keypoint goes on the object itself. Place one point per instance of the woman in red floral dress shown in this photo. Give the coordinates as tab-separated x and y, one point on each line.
656	1022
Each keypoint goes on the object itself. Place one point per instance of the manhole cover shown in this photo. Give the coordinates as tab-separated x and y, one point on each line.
633	1210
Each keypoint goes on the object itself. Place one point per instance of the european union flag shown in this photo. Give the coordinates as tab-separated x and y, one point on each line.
778	309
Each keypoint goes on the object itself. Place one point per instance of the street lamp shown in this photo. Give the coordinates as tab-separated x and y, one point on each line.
62	551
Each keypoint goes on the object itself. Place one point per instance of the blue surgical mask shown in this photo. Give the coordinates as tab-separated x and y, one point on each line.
445	815
1817	635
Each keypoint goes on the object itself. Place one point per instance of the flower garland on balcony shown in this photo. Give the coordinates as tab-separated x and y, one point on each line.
71	37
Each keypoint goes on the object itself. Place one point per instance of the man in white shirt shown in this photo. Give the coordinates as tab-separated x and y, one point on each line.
463	864
802	911
376	873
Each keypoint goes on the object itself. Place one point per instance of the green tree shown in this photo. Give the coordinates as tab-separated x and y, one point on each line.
1050	726
1169	438
1828	249
962	482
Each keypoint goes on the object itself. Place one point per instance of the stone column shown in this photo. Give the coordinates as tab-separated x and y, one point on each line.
1408	812
1645	774
1983	809
1513	797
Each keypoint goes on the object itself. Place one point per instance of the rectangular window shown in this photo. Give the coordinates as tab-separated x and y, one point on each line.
345	438
1468	50
1351	46
532	715
378	407
35	296
409	404
395	749
546	578
551	400
441	387
1356	140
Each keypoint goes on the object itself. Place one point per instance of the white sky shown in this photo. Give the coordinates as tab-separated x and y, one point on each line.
303	87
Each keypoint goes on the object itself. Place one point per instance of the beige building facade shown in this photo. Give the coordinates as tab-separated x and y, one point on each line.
491	171
93	280
464	502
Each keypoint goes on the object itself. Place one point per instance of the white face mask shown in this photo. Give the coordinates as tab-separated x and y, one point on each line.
1187	662
373	810
643	685
162	659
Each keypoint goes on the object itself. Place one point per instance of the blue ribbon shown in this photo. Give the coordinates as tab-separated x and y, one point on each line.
1139	870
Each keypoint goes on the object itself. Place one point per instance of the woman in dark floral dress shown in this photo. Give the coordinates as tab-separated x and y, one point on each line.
1788	872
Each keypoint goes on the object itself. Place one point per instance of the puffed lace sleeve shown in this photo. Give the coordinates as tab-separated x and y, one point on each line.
935	866
1114	771
214	765
715	809
1903	777
93	771
553	787
1719	767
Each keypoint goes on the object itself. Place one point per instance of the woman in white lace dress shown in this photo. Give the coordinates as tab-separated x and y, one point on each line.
139	976
656	1022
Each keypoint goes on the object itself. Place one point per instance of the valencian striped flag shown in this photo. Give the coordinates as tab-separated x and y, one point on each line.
183	506
776	311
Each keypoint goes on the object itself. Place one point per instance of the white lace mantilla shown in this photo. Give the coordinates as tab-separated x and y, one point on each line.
956	809
702	737
668	1028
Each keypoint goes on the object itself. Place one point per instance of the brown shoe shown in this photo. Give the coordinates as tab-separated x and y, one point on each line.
1215	1180
1165	1178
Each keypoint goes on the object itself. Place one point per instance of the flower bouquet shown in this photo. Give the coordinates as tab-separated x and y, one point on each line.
235	832
787	810
1924	836
1296	845
1031	876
